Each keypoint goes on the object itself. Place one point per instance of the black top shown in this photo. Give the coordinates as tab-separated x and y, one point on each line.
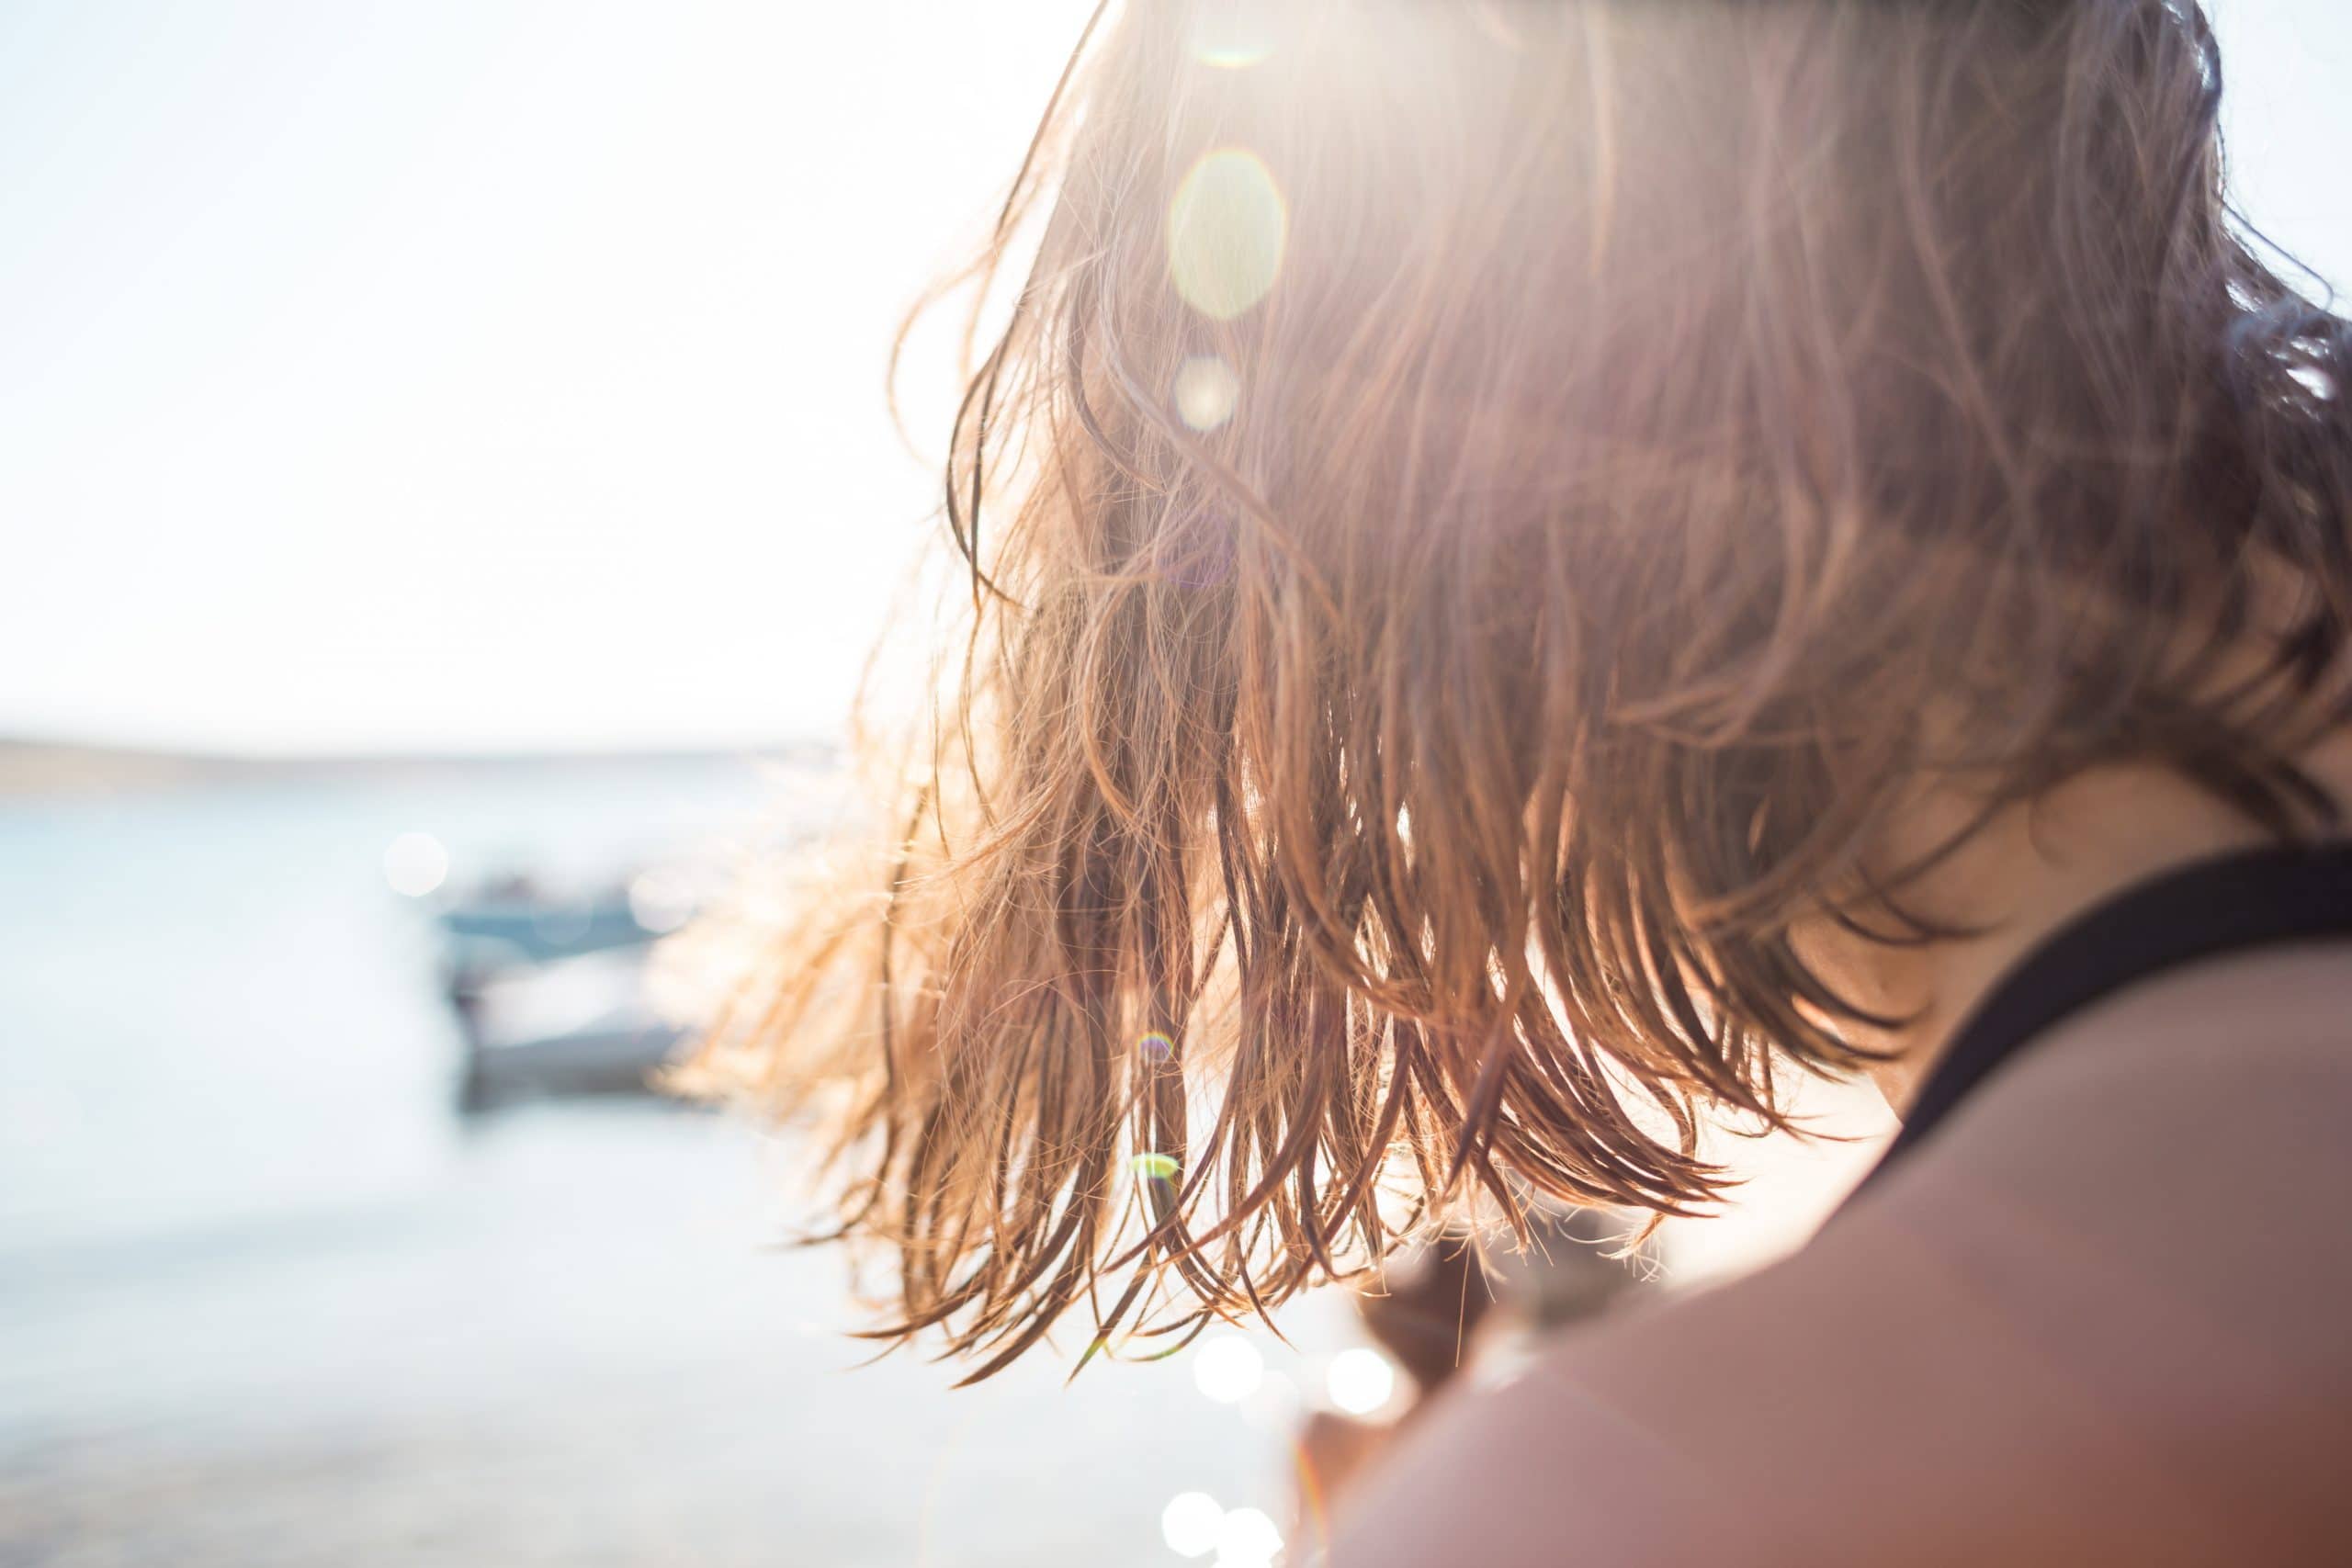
2258	899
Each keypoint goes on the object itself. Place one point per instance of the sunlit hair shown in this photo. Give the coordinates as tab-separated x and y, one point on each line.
1480	516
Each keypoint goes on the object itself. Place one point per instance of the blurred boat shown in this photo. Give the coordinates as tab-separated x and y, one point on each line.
548	991
511	922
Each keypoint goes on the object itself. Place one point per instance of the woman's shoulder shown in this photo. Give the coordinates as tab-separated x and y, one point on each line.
2063	1332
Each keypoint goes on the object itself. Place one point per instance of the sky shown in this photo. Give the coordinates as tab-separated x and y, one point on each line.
484	376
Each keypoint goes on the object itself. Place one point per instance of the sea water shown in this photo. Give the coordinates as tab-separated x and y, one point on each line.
266	1296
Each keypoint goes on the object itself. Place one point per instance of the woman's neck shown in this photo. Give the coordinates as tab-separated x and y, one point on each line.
2028	874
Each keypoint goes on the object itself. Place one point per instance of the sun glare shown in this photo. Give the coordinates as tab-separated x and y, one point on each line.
1226	229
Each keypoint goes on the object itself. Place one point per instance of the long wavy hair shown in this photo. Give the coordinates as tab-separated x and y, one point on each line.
1476	518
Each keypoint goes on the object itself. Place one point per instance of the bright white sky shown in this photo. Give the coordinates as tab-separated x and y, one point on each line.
483	375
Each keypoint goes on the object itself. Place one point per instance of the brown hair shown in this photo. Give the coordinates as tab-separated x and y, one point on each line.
1479	514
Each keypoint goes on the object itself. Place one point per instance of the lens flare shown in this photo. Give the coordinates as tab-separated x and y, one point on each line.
1246	1537
1190	1524
660	901
1227	1369
1361	1381
1156	1047
1226	228
415	863
1206	390
1155	1166
1232	35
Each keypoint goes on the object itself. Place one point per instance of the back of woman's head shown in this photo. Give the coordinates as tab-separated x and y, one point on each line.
1481	515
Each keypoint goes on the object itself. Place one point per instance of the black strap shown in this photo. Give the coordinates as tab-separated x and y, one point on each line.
2257	898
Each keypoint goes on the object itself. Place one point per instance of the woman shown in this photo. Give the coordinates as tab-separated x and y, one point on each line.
1537	570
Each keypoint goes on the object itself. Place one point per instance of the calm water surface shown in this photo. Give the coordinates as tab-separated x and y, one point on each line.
267	1298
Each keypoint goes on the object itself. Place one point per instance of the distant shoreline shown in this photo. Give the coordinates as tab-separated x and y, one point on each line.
37	768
